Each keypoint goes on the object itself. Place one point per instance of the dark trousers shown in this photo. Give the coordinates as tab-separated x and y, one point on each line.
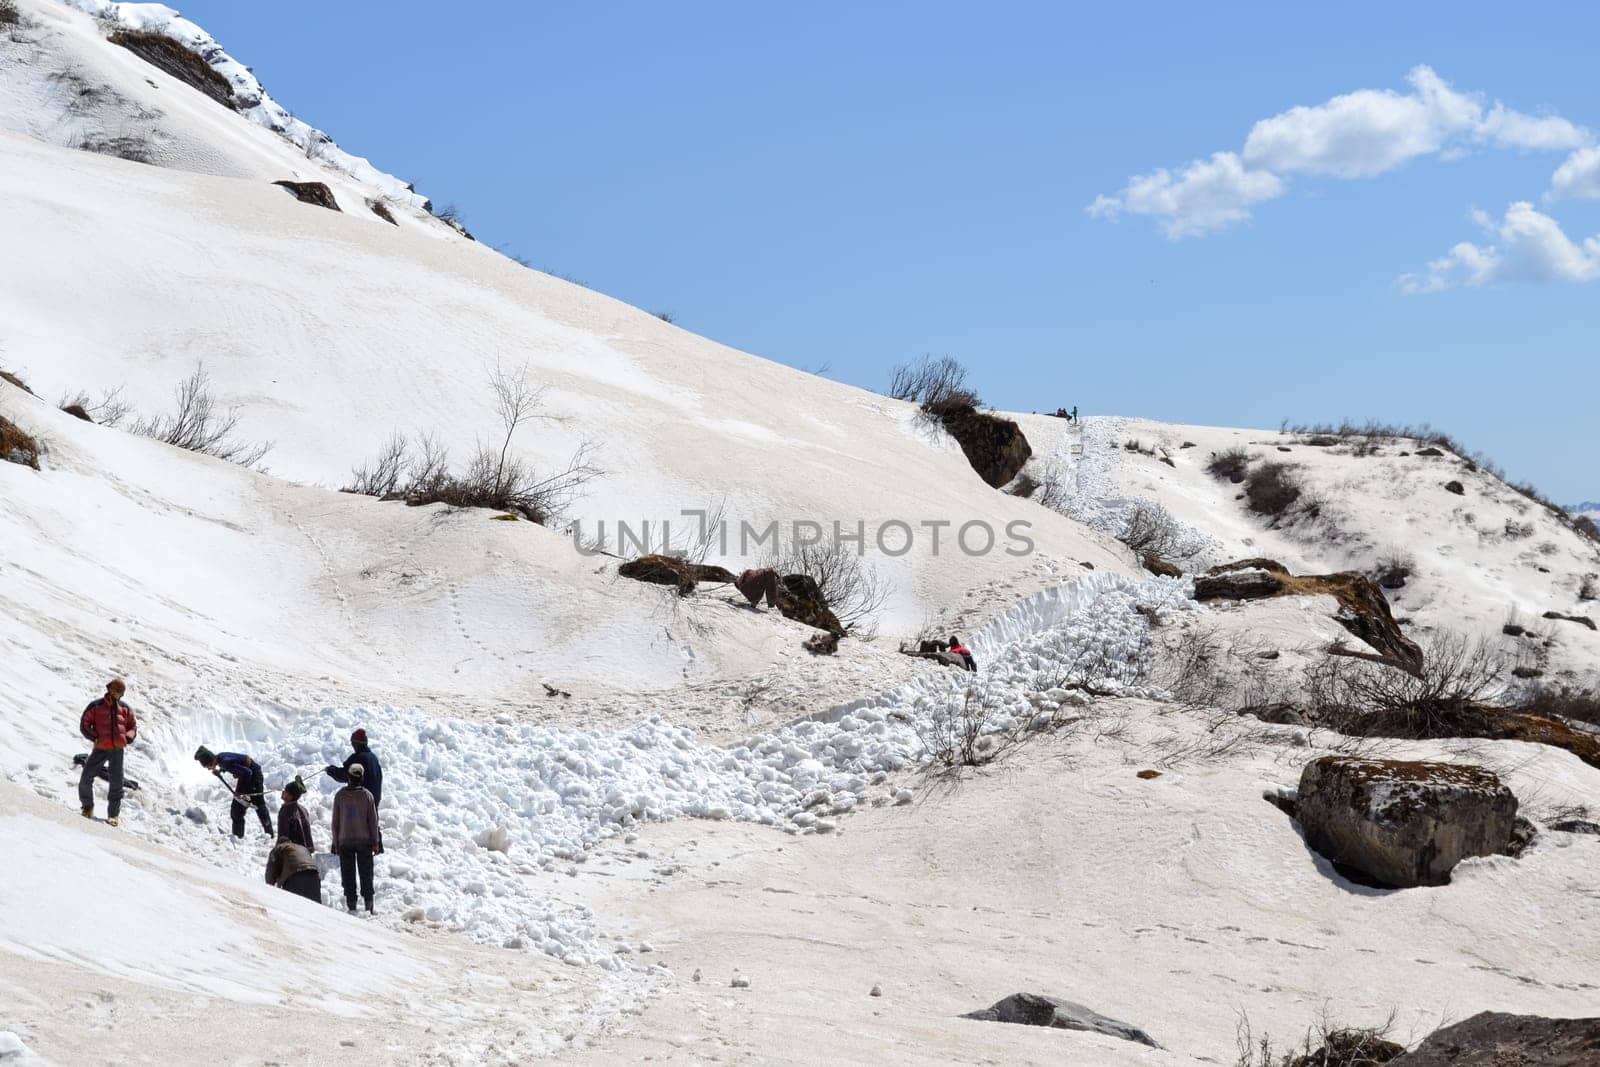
307	884
249	793
354	861
111	760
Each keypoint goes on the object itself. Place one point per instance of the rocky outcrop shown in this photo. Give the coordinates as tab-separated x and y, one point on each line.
669	570
16	446
803	602
1494	1039
1403	823
1033	1009
1581	620
178	60
996	447
1363	609
1160	567
380	209
315	193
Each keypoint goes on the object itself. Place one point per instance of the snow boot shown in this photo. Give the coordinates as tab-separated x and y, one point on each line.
350	904
111	821
88	813
369	905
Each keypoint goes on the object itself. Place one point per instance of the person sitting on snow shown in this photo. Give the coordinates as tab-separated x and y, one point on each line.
291	866
249	789
109	725
356	837
293	824
759	582
371	769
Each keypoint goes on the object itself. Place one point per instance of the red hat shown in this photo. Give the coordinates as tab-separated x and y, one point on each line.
359	737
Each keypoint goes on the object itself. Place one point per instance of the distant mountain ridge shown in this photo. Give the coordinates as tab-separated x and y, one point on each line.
1589	507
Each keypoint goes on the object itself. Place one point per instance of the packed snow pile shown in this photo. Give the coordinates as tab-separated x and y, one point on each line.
474	812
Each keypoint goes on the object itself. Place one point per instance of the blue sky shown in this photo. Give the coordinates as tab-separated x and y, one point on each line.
857	185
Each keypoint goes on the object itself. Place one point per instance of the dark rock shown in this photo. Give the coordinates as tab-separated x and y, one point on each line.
1285	448
1403	823
1522	834
178	60
1526	672
1247	584
380	209
1430	452
1455	487
822	644
805	603
1086	565
1577	826
1581	620
1187	444
1495	1039
315	193
1148	775
669	570
1032	1009
77	411
996	447
1254	562
1511	629
1156	565
7	376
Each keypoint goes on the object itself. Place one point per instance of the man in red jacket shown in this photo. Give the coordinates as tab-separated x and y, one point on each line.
110	725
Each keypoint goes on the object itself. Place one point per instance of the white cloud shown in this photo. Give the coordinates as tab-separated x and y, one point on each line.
1203	197
1355	135
1578	177
1529	247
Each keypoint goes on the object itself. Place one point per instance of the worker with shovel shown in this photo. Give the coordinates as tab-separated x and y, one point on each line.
249	788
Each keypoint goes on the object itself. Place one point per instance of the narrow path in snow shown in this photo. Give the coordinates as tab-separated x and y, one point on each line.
479	817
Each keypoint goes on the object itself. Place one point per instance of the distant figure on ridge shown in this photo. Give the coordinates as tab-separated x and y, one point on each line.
371	769
356	837
291	866
249	786
109	725
293	823
759	582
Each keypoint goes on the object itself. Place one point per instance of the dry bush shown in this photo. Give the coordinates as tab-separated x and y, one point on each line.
1569	702
17	446
7	376
9	15
198	426
1323	1045
1271	489
1230	465
1585	527
420	473
965	735
1150	530
1517	531
1393	569
937	384
665	316
1459	677
109	410
850	587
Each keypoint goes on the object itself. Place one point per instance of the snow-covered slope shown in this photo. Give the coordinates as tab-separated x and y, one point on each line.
1478	558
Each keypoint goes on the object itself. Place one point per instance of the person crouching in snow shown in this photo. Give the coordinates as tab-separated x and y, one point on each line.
293	824
759	582
371	769
958	649
109	725
291	866
249	789
356	837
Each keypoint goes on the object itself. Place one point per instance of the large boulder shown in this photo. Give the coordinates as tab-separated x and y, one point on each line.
1403	823
1494	1039
315	193
1034	1009
803	602
996	447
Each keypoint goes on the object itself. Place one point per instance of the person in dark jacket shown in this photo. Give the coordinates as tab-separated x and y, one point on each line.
291	866
293	824
109	725
371	769
356	837
249	788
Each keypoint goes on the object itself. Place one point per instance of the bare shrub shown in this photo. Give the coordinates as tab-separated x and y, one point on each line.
1150	530
1459	676
1024	485
1323	1045
1393	569
852	589
13	379
198	426
1586	527
9	16
17	446
1569	702
1230	465
109	410
666	316
937	384
964	735
1271	489
1517	531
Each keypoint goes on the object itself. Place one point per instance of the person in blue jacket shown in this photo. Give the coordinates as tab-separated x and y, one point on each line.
249	788
371	769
